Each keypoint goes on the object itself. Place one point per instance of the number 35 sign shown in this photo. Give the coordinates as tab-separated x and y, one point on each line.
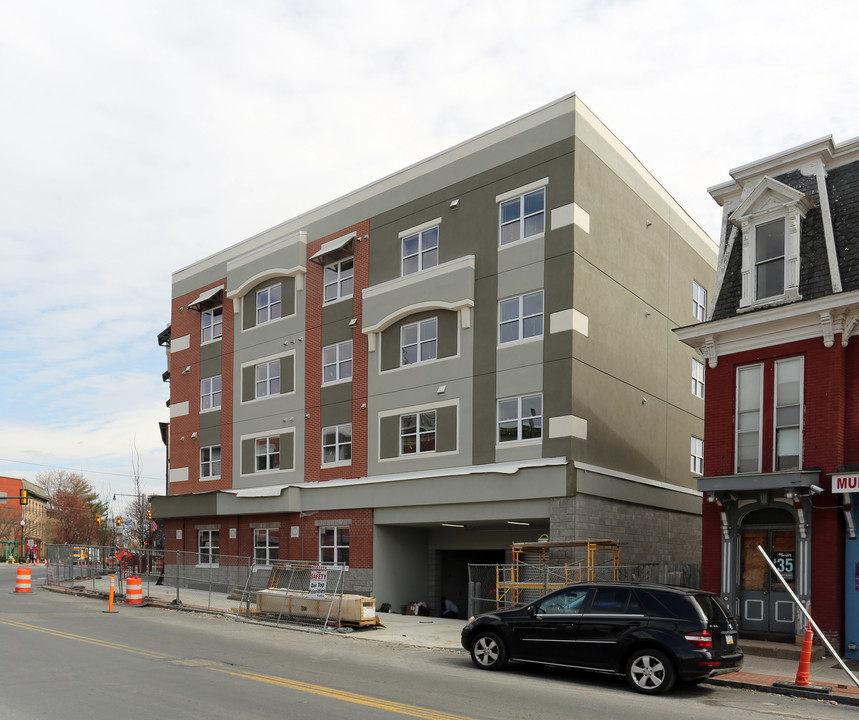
784	563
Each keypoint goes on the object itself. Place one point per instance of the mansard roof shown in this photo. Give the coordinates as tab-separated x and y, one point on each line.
820	180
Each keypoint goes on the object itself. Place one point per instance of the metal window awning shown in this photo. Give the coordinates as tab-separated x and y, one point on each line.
332	246
207	298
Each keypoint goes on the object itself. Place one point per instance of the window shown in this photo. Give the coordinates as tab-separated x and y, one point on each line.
788	413
339	279
696	463
419	342
266	545
420	251
337	362
210	461
334	545
337	444
523	217
207	543
268	304
699	301
749	401
212	324
520	418
769	259
697	378
267	453
520	317
267	379
210	393
417	433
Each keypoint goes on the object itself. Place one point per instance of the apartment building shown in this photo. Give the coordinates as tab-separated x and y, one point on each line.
782	443
473	351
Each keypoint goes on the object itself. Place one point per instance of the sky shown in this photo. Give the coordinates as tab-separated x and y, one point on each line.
137	138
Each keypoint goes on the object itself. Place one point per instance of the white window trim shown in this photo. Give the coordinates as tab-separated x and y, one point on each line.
523	190
520	320
339	282
220	335
337	530
337	445
206	478
268	531
268	306
218	547
267	454
519	442
419	342
698	383
418	451
696	462
213	407
801	361
520	193
419	230
338	362
260	361
267	434
268	379
699	309
737	419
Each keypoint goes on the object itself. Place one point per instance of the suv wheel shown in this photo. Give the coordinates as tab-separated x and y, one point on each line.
650	672
488	652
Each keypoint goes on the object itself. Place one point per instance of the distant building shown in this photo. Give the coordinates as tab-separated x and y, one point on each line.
473	351
782	435
14	541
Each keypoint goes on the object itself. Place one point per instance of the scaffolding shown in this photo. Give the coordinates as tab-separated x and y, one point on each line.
530	571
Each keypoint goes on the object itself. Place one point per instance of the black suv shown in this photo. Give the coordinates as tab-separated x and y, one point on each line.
652	634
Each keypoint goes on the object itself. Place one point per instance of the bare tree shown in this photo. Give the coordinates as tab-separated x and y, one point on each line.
138	510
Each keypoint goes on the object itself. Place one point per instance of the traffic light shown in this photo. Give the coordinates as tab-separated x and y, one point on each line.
98	519
22	496
148	514
119	521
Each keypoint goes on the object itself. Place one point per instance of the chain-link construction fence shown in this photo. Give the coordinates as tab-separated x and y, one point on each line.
298	593
303	594
501	587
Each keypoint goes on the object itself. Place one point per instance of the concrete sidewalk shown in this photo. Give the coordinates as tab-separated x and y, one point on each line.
759	672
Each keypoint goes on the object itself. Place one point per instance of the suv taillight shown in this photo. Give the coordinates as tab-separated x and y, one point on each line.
700	639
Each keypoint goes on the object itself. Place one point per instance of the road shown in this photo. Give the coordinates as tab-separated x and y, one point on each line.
64	657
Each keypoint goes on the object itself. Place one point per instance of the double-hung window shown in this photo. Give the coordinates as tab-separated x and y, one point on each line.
337	444
699	301
696	459
207	544
266	545
267	380
268	304
520	318
210	461
523	217
697	378
520	418
334	545
337	362
788	413
211	324
417	433
419	342
267	453
769	259
749	415
339	279
210	393
420	251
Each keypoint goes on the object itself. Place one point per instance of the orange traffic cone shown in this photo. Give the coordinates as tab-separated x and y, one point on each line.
805	658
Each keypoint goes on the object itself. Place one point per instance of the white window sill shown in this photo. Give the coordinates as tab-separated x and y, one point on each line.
207	565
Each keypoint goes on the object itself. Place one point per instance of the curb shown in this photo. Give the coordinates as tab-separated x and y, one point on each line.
832	697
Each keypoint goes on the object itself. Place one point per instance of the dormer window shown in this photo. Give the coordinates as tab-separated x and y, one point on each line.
770	217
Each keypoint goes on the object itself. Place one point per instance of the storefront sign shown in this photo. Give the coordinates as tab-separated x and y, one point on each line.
784	563
845	483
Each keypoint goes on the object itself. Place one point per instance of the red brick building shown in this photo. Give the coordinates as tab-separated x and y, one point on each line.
782	375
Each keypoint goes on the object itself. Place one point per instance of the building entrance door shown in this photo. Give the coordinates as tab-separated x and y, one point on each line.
766	607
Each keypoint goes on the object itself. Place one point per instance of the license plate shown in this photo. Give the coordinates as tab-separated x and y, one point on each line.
729	639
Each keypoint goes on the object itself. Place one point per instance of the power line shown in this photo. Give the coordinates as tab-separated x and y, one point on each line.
81	470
